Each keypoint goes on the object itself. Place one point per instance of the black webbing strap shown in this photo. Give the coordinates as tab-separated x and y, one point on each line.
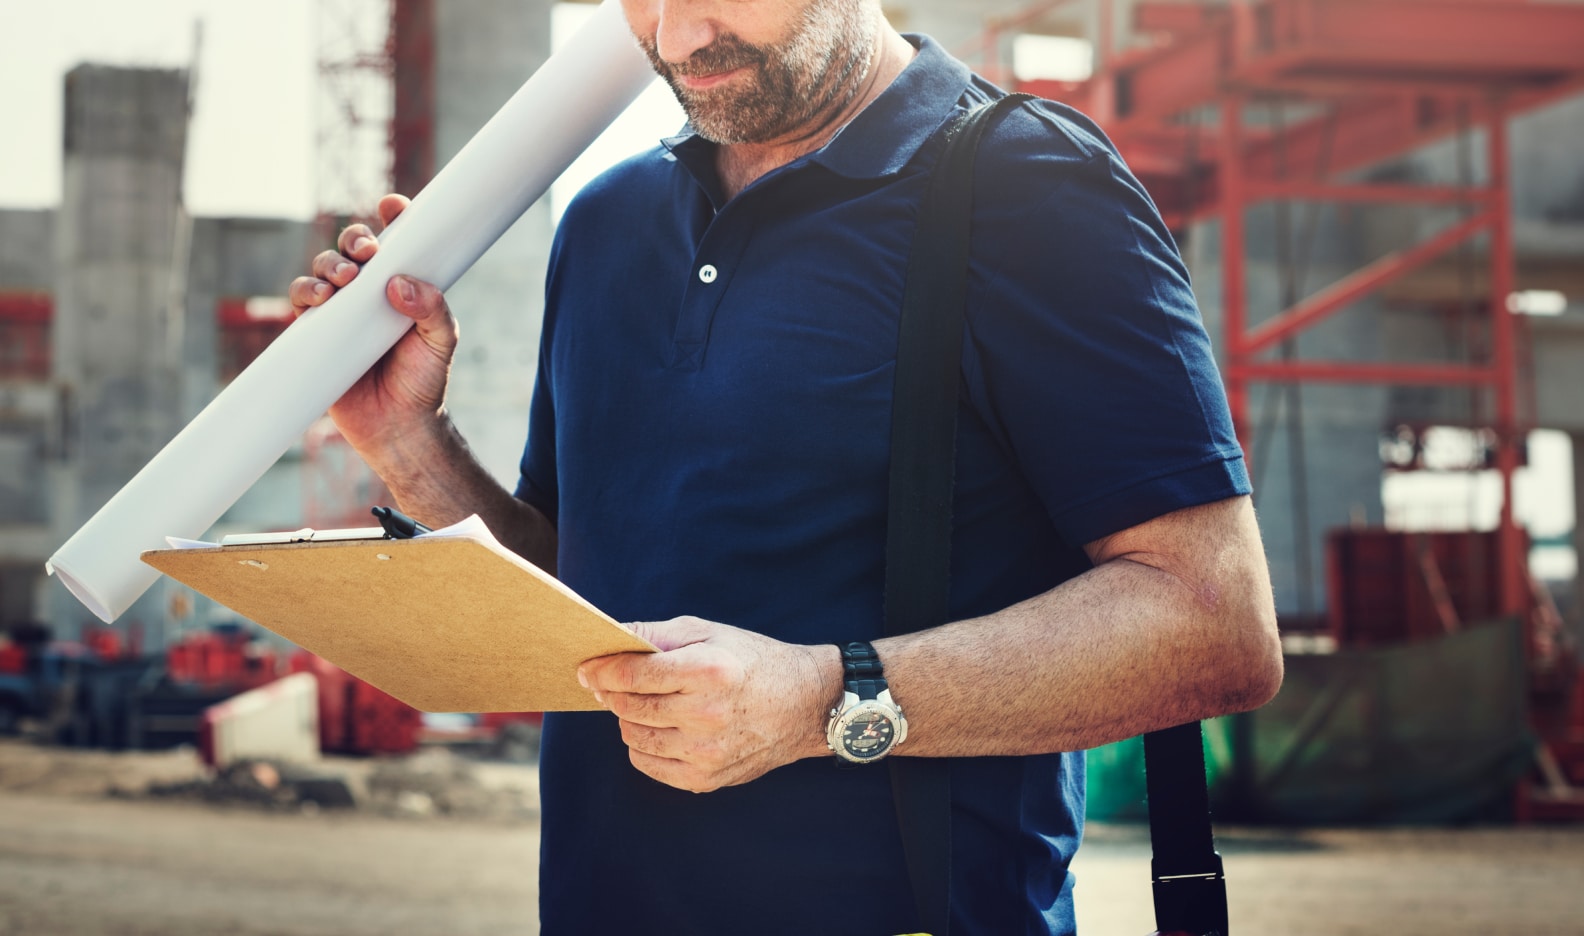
1190	891
923	466
1189	885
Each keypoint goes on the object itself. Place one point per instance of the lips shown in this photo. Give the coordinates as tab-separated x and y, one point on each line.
705	82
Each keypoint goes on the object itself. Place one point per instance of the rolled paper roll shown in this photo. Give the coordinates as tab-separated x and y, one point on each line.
450	224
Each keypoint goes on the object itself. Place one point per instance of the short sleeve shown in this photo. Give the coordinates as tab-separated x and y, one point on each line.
1086	354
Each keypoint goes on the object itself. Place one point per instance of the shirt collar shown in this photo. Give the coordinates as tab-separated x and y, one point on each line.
884	135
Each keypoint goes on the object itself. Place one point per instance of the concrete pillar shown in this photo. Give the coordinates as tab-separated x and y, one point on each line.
121	248
484	51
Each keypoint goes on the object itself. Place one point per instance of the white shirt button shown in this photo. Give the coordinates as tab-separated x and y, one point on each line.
707	273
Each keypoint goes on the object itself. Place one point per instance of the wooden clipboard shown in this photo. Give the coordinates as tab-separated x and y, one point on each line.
446	624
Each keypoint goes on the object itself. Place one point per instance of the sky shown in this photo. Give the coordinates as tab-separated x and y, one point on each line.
251	142
250	151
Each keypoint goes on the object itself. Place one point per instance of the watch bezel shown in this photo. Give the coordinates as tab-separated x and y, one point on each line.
843	717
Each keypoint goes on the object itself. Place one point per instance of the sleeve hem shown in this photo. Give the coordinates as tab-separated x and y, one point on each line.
1204	483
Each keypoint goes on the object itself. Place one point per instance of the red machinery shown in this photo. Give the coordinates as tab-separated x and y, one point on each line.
355	717
224	659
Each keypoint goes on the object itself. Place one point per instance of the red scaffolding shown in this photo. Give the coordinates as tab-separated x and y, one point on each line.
1374	79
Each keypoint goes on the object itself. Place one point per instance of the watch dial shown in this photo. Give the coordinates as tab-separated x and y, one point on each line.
868	735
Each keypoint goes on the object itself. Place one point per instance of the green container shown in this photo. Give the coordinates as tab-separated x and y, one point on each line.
1116	773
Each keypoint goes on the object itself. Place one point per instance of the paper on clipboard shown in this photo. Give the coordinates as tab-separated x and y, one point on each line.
450	621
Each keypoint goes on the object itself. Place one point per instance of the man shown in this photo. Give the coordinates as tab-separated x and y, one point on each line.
707	457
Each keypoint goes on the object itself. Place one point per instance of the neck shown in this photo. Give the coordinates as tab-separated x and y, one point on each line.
740	164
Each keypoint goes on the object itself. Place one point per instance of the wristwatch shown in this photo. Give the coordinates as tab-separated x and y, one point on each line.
867	725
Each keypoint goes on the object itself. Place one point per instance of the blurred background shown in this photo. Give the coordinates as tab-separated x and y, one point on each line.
1381	203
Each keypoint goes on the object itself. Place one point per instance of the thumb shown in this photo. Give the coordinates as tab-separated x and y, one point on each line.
425	304
422	302
675	633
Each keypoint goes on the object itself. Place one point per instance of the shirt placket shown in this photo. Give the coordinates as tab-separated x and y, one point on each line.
714	263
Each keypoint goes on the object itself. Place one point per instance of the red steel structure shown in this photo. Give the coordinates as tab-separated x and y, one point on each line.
377	104
412	128
1374	79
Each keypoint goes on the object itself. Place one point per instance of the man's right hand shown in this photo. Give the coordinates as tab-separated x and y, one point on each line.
404	392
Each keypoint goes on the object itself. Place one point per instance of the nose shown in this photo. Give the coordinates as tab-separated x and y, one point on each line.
681	28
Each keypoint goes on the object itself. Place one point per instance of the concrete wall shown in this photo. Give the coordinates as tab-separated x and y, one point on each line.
121	248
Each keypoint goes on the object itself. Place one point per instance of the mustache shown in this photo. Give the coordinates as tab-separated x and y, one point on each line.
726	53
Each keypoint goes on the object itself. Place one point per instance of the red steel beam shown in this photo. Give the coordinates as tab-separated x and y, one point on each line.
412	129
1414	93
1514	586
1233	300
1499	40
1302	190
1359	284
1385	372
1177	77
1175	18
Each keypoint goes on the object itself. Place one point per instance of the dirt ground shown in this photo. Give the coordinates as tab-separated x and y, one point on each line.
74	861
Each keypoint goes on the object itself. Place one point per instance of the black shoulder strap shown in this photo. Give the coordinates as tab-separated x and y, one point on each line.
1190	892
923	464
1189	885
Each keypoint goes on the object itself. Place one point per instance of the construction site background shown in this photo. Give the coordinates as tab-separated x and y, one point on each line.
1381	203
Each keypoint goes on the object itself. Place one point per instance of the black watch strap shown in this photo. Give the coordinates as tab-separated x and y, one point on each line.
861	671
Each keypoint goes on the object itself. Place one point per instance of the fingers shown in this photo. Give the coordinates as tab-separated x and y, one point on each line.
659	742
672	710
677	632
358	243
673	773
390	206
693	668
667	757
305	292
331	271
334	268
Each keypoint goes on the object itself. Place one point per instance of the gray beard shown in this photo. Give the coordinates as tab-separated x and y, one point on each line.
793	88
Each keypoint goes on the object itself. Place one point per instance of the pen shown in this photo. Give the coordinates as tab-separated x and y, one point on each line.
397	524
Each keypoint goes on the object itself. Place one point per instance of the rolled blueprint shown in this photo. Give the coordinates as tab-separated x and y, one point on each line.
450	224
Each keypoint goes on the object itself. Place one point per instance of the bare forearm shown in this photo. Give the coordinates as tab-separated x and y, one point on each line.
1114	653
437	480
1174	623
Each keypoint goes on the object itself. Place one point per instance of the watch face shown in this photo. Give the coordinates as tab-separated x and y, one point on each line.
868	735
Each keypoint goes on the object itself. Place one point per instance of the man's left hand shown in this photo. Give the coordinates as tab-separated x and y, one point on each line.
718	705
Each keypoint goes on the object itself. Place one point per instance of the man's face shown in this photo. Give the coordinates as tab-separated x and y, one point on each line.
754	71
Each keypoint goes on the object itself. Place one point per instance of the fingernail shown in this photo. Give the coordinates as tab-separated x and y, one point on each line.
404	288
342	269
582	679
362	242
599	697
321	290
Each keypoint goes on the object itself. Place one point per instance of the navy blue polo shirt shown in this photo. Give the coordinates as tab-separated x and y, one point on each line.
710	430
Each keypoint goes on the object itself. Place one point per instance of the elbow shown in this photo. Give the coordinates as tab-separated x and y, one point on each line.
1252	674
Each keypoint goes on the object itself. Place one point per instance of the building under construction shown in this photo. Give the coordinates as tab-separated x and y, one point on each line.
1371	196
